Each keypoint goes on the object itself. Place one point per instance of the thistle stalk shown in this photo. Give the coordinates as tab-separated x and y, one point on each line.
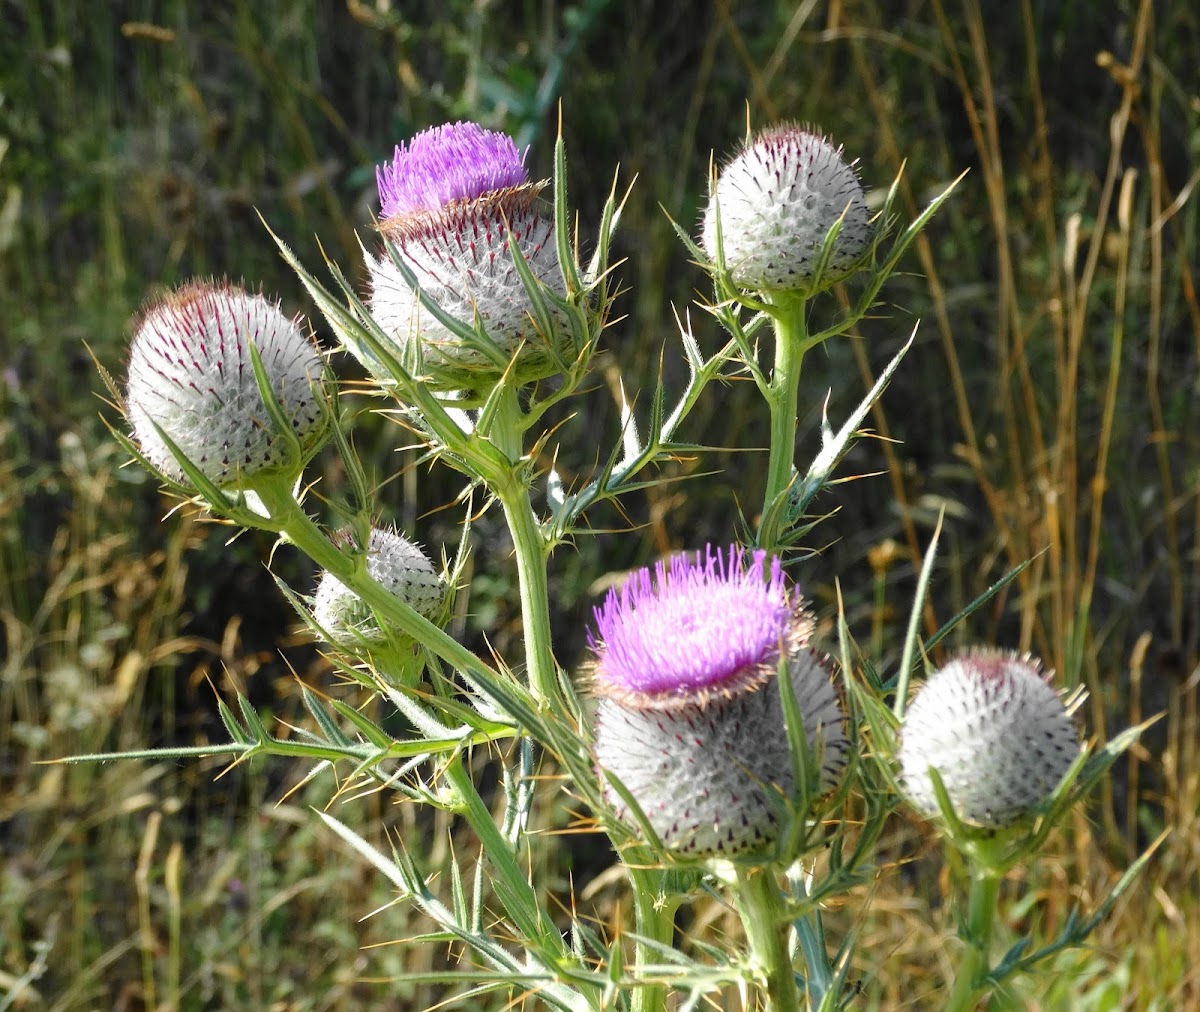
981	915
529	546
654	913
761	906
791	343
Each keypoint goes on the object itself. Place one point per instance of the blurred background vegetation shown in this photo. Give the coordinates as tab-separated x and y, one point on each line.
1049	407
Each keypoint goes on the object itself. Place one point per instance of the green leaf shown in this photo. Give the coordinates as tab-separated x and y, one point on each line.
370	731
251	718
189	752
235	729
979	602
562	224
328	727
914	622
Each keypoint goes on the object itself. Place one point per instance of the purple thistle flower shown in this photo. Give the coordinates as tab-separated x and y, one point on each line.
450	201
997	733
690	719
456	161
190	374
691	626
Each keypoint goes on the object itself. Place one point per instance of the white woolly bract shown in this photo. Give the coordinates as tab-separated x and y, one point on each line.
190	372
996	732
461	260
777	201
403	570
711	778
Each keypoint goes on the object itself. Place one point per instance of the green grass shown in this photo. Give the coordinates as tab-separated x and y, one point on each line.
1048	406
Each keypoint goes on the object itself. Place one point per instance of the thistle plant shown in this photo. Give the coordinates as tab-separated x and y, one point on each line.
774	206
711	735
398	565
985	743
996	732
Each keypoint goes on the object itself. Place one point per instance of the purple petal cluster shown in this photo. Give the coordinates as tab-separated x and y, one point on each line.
693	625
456	161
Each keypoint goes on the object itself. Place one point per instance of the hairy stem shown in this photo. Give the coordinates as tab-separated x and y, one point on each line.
529	546
764	917
654	910
791	342
981	915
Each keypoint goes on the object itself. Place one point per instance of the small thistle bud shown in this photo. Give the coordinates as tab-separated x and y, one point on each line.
190	373
449	201
777	201
690	719
400	567
996	732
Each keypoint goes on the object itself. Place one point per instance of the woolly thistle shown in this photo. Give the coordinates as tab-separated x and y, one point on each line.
403	570
776	202
996	732
690	719
450	200
191	375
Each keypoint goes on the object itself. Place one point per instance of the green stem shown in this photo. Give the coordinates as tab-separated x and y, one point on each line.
537	929
981	915
764	917
783	391
654	910
530	548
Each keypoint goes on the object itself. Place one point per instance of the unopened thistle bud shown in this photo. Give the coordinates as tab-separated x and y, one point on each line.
190	373
450	200
776	202
400	567
996	732
690	719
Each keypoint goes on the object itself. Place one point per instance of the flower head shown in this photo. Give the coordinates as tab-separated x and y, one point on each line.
996	732
776	202
396	563
459	161
190	373
693	626
451	199
690	719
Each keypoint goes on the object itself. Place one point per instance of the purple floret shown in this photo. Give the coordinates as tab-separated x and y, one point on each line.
457	161
691	627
